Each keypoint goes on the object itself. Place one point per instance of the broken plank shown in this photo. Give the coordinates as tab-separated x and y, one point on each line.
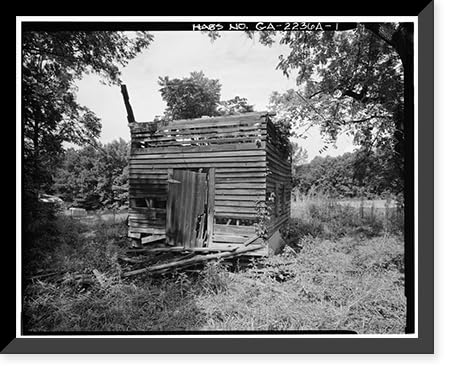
219	121
134	235
152	238
148	230
192	261
250	240
133	260
220	238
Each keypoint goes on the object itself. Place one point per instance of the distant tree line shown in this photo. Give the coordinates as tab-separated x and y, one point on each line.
351	175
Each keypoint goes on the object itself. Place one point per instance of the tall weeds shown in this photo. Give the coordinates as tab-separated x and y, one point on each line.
346	272
320	216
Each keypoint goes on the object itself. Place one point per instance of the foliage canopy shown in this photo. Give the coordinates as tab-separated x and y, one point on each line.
51	115
94	177
350	82
197	96
191	97
350	175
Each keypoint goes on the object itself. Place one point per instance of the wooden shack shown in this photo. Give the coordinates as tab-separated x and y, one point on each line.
217	183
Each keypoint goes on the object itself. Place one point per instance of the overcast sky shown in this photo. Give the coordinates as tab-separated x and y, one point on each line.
244	67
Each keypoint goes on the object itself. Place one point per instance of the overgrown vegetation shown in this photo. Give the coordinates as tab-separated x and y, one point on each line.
344	285
94	177
351	175
329	279
52	62
322	217
351	82
341	269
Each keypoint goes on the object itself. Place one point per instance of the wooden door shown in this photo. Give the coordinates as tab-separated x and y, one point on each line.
186	209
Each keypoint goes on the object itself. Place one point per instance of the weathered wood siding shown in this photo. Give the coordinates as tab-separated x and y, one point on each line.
278	180
234	147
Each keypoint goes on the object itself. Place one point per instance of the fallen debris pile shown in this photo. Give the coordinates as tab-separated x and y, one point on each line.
159	259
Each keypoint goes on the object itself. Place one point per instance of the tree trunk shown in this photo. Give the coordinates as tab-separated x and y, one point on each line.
402	41
409	124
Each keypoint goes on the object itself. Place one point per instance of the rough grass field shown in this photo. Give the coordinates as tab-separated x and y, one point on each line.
335	276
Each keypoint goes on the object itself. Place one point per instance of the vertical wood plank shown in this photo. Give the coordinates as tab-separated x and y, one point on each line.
276	201
169	210
195	211
188	206
210	205
192	213
201	209
195	197
177	175
180	208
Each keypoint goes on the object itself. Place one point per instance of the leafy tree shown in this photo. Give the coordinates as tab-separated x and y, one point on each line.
113	160
236	105
191	97
120	188
356	174
51	63
351	82
332	176
299	156
354	83
76	181
94	177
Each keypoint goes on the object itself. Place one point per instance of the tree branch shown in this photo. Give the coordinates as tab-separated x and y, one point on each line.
308	103
360	96
316	93
368	118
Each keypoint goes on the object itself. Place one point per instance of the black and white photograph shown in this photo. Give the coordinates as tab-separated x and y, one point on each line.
221	178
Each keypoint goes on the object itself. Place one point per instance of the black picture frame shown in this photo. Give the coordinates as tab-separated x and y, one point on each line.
280	343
